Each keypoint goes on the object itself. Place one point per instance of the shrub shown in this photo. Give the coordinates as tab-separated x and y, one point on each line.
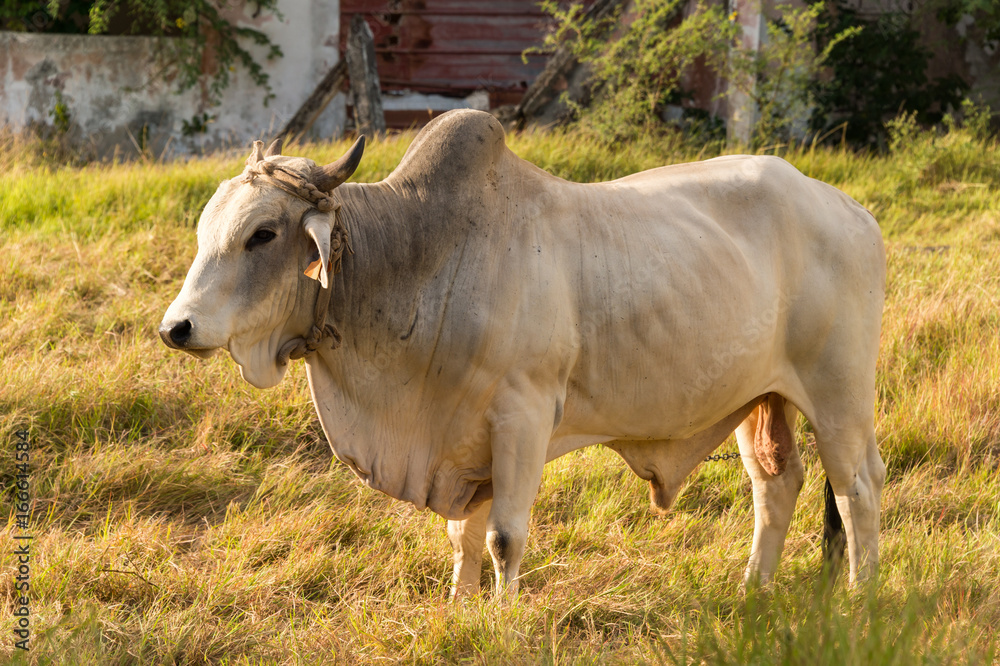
640	69
960	157
638	72
880	73
777	78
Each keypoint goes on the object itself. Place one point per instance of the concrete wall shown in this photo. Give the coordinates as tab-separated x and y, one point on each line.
117	97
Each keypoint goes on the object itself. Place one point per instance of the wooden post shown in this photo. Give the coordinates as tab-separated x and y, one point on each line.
742	112
307	114
369	118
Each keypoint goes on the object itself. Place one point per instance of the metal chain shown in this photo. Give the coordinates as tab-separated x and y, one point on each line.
723	456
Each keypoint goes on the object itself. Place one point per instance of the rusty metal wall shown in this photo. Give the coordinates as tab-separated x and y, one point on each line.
453	47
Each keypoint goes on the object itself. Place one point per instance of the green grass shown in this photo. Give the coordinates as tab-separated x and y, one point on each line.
183	517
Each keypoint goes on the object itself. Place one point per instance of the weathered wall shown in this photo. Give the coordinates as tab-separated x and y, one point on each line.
116	97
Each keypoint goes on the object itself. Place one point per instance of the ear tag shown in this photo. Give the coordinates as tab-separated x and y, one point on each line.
314	269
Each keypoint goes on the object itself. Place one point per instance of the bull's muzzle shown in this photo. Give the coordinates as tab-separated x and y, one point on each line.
180	335
176	335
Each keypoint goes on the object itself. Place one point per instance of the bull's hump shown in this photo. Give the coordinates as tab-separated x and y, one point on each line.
457	146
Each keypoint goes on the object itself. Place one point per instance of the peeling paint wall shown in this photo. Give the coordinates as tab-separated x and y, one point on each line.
109	94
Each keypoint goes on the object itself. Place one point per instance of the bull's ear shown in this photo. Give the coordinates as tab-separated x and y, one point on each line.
319	226
257	154
325	178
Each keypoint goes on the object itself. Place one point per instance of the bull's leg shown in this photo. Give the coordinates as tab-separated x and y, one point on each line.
519	439
840	385
468	538
857	474
774	496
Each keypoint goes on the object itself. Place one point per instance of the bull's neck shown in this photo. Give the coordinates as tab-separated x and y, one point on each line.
376	219
381	276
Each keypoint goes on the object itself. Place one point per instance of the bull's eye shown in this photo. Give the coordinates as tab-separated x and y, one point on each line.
260	237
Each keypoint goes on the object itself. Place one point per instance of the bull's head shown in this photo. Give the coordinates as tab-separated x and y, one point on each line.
247	291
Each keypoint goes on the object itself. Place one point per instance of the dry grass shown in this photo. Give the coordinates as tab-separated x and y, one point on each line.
184	517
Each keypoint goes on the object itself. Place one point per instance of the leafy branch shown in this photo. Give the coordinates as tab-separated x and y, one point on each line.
778	77
634	75
641	69
205	48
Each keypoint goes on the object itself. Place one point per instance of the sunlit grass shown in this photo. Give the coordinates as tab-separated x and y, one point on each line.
182	516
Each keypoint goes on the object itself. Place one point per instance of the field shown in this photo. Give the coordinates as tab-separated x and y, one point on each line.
181	516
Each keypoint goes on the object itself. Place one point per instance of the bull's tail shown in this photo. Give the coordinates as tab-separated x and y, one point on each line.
834	537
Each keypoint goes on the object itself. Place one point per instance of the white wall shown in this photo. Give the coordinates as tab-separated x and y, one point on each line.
112	88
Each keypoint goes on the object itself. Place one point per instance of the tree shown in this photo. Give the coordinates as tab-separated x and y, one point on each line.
640	68
204	35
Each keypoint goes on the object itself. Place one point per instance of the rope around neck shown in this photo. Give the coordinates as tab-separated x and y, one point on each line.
322	334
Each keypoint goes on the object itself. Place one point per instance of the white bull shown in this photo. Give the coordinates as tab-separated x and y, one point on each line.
495	317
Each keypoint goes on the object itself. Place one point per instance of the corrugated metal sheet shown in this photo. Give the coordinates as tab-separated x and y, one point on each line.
453	47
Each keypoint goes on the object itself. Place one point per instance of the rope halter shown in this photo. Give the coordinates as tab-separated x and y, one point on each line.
322	334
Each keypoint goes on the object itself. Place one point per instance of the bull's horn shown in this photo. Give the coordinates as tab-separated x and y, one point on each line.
257	154
325	178
274	148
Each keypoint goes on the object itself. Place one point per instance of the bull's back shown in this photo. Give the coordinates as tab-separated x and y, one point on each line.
696	283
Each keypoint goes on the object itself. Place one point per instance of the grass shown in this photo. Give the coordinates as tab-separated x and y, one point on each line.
181	516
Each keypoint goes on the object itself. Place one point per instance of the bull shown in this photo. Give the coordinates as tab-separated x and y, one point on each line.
472	317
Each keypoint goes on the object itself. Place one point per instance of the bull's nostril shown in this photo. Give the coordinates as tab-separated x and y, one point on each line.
181	333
